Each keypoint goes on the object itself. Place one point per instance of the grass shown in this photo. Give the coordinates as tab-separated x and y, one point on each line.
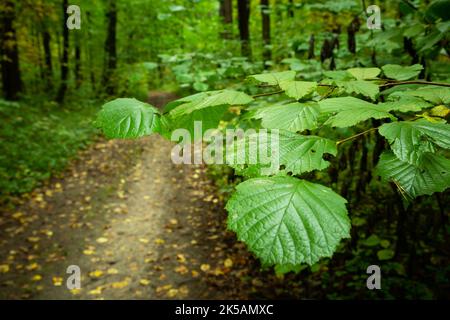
38	138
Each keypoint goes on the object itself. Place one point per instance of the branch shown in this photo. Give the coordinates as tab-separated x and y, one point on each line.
355	136
415	82
267	94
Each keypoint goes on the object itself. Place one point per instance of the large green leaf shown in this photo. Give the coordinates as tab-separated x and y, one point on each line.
288	221
433	95
350	111
404	103
411	139
401	73
296	153
208	117
364	73
211	99
128	118
431	175
273	78
365	88
195	97
298	89
293	116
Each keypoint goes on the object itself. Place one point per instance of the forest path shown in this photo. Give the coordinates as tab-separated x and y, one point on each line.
138	226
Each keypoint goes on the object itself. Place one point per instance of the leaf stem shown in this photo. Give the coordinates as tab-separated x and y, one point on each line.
268	94
355	136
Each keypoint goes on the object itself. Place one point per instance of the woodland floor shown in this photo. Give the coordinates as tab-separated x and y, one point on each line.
138	226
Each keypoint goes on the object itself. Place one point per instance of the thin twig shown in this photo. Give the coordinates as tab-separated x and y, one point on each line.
415	82
267	94
355	136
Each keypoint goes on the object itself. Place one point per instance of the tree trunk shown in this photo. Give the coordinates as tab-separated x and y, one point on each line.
244	32
78	75
65	56
110	49
311	47
48	72
12	84
291	9
352	28
267	52
226	13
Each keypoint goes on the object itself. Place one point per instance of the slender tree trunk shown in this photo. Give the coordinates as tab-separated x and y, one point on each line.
65	57
291	9
352	28
110	49
11	80
267	52
48	72
78	75
89	55
226	13
311	47
244	32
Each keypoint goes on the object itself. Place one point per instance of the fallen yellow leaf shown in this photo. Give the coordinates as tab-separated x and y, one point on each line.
32	266
96	291
102	240
228	263
120	284
33	239
181	258
205	267
88	252
4	268
57	281
75	291
112	271
37	277
172	293
96	274
144	282
181	269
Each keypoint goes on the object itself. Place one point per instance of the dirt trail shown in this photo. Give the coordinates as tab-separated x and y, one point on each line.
138	226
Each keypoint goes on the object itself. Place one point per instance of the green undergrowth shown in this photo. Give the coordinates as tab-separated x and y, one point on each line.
38	138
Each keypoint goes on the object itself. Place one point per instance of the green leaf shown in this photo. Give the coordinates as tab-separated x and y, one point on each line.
385	254
364	73
211	99
296	153
298	89
431	175
372	241
293	117
195	97
401	73
411	139
274	78
404	103
288	221
364	88
128	118
350	111
338	75
209	118
433	95
286	268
